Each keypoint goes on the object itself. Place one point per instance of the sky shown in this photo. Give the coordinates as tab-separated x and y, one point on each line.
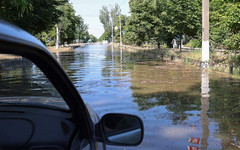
89	10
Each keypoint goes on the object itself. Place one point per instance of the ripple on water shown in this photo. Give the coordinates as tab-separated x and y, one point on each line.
166	95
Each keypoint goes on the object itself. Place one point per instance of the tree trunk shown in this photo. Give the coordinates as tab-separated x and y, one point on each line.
57	36
231	69
180	47
158	45
79	35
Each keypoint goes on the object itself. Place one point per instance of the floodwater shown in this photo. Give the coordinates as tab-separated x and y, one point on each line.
182	107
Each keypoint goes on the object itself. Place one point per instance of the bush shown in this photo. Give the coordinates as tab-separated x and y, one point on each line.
195	43
51	43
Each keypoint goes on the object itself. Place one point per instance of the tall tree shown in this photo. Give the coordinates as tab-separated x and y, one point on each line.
161	23
67	23
161	20
184	17
105	19
109	19
34	16
225	24
140	25
81	29
70	27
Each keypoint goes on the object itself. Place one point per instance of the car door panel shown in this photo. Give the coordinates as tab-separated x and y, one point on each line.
38	128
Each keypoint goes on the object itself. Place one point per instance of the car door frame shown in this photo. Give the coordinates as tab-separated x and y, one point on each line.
14	40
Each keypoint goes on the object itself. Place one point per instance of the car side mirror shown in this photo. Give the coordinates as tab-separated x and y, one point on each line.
120	129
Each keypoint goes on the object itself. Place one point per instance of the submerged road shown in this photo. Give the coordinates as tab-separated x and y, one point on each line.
181	106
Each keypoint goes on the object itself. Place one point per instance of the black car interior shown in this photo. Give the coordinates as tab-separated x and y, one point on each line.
35	128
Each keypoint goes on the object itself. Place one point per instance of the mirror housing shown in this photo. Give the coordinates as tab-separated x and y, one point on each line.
120	129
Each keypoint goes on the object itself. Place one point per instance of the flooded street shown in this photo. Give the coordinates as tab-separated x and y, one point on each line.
173	63
181	106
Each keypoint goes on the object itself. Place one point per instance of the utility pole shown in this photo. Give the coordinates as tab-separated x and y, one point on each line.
112	31
57	36
120	25
111	19
205	33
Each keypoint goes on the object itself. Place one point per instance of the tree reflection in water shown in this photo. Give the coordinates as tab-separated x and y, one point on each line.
165	93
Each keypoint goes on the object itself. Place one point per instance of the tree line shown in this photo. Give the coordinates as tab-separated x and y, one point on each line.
159	21
42	17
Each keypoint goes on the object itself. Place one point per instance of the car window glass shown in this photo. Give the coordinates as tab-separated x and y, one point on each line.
22	82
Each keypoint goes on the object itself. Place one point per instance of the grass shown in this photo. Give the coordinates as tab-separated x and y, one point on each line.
193	54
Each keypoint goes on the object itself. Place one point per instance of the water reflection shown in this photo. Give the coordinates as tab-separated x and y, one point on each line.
22	74
167	84
204	108
225	110
174	100
22	82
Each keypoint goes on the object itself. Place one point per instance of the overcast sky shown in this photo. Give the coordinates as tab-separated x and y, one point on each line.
89	10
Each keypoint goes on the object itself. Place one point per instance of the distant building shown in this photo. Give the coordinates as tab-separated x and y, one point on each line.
176	41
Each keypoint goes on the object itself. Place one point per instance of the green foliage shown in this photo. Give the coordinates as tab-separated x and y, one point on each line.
92	38
67	24
233	42
104	36
81	29
162	20
40	17
71	28
123	24
225	24
195	43
184	16
140	25
108	18
48	37
104	18
35	16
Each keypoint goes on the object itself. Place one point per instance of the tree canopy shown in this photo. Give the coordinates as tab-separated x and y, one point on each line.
225	24
109	18
159	21
40	17
34	16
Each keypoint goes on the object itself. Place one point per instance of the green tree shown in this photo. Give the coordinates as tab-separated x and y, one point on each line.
105	19
161	20
35	16
123	26
225	24
71	27
140	25
81	29
67	24
161	23
104	36
108	18
183	17
92	38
